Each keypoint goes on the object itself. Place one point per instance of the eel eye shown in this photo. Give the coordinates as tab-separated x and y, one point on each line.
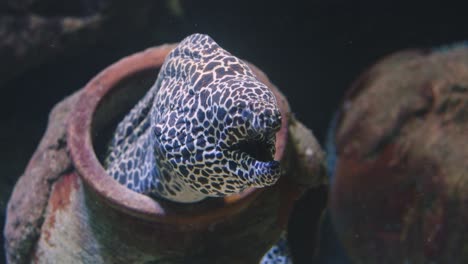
247	114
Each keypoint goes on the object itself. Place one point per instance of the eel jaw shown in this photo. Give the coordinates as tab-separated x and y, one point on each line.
260	148
256	157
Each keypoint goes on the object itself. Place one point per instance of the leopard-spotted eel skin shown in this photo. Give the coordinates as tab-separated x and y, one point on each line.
198	130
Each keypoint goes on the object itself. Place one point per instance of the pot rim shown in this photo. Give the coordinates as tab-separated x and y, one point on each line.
118	196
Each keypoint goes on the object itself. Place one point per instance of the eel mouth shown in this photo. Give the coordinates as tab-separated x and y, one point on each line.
259	169
260	148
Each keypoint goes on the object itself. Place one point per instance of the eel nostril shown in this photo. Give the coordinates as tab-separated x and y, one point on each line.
270	119
275	120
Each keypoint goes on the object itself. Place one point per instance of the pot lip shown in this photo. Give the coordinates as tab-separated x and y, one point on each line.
118	196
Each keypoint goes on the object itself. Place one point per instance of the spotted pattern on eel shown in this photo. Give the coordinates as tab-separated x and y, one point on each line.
206	128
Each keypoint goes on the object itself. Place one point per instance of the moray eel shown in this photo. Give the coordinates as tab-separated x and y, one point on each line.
206	128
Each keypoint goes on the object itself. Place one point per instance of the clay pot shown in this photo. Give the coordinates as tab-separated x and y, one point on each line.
88	217
400	192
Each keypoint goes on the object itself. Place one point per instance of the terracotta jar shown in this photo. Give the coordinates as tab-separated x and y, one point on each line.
400	189
85	216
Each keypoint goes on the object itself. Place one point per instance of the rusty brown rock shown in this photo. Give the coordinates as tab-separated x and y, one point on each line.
84	216
401	188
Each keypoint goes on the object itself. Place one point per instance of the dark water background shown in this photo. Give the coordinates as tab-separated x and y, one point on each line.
312	50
